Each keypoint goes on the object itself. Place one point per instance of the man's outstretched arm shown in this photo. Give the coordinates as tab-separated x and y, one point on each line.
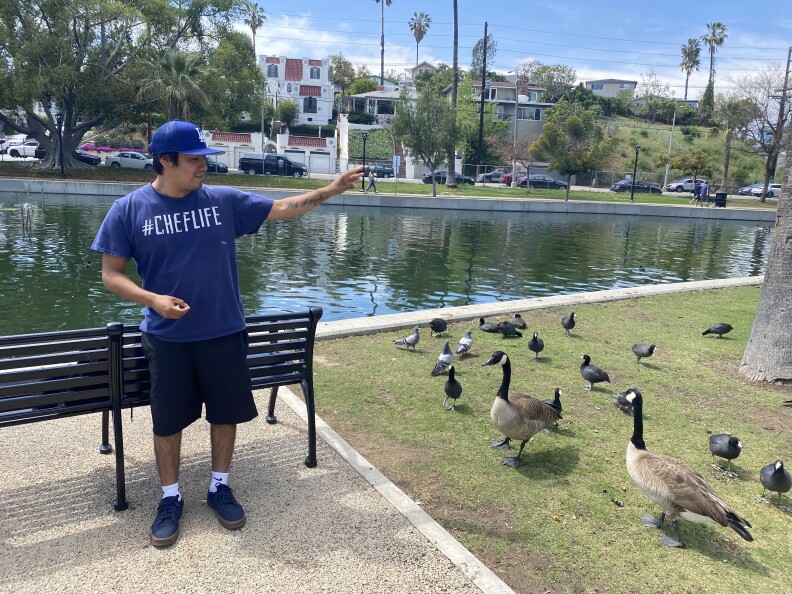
295	206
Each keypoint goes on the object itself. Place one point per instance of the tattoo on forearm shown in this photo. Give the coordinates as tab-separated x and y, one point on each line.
309	202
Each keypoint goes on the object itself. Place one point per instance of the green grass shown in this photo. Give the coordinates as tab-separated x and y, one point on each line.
552	523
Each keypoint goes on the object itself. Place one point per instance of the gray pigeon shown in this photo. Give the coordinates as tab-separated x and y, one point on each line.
622	402
409	341
718	329
443	361
465	344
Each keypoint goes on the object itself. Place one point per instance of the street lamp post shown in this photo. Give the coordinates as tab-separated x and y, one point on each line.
635	172
363	135
59	125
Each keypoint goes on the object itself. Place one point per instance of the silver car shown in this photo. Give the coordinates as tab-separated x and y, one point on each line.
131	160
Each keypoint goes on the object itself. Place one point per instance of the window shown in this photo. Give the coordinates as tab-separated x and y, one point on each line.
315	72
492	94
272	71
529	113
625	85
288	87
596	86
532	96
309	105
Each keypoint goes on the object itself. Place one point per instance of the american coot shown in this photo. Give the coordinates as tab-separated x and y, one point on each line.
726	446
452	389
518	322
517	416
536	345
643	350
718	329
485	326
465	343
409	341
774	477
678	489
592	374
443	361
438	326
568	322
508	330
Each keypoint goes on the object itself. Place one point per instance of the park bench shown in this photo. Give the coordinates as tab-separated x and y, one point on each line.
52	375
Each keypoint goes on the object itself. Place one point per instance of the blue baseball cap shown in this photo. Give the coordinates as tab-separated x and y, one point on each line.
180	137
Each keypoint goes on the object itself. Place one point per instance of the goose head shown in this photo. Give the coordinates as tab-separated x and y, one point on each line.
497	358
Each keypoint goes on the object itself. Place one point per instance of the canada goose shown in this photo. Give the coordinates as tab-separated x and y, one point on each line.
517	416
678	489
485	326
465	344
508	330
621	401
774	477
555	402
643	350
409	341
443	361
438	326
536	345
568	322
518	321
718	329
726	446
592	374
452	389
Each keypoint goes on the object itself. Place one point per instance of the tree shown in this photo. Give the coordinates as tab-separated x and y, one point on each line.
716	35
467	123
419	25
697	163
518	150
650	92
732	113
691	60
573	141
175	81
451	177
254	18
768	354
382	4
287	111
556	80
707	104
342	74
477	58
425	127
362	85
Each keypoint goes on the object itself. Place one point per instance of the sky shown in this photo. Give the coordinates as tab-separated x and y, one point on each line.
598	39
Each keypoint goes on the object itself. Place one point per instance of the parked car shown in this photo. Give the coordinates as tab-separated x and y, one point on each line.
684	185
625	185
380	170
540	180
267	164
79	154
491	176
214	166
130	159
773	190
506	178
4	145
27	149
440	178
746	190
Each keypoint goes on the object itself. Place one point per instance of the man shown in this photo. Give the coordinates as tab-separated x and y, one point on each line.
181	235
704	192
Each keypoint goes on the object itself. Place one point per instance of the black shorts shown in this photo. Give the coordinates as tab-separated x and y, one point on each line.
185	375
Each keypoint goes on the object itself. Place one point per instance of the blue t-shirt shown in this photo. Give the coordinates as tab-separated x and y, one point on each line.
185	248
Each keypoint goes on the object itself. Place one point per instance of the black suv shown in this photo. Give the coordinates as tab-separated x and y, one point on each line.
271	165
380	170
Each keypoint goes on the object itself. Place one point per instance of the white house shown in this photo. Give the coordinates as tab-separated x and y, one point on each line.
305	81
611	87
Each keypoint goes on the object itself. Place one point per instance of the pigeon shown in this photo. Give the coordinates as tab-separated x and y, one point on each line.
718	329
409	341
518	322
774	477
568	322
508	330
536	345
438	326
443	361
452	389
621	400
465	344
487	326
726	446
591	373
643	350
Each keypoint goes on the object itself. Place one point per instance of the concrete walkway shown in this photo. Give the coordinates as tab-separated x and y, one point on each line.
340	527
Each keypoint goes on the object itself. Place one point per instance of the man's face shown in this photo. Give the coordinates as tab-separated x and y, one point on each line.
188	174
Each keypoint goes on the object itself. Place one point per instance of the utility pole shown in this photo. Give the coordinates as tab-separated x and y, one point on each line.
670	142
481	110
514	140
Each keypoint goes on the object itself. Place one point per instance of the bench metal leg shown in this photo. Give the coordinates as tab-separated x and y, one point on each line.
120	503
271	418
105	447
310	459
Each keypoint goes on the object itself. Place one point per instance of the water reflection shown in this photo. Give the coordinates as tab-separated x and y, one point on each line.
356	261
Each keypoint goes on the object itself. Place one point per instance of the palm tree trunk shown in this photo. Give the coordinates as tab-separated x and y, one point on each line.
451	175
382	45
727	159
416	53
687	78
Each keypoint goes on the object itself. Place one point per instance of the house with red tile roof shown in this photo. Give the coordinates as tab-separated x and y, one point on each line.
303	80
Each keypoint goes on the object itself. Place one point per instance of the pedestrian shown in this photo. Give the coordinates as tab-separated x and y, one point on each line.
181	234
696	192
704	192
281	166
372	181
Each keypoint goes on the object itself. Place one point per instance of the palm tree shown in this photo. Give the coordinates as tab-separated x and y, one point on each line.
254	18
451	176
716	35
419	25
691	59
382	4
175	79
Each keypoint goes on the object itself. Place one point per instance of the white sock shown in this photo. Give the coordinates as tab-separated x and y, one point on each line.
218	478
171	491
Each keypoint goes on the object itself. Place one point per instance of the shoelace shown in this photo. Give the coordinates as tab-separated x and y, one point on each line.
225	495
167	509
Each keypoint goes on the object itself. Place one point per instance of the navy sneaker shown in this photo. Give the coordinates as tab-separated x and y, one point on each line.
165	529
227	508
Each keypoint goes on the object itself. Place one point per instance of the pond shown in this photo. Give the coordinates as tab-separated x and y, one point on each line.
363	261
